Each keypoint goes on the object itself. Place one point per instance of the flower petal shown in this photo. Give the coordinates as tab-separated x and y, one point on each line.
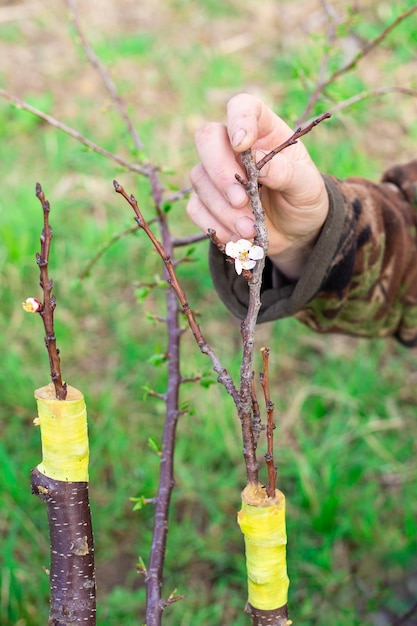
248	264
231	249
31	305
238	267
243	245
256	253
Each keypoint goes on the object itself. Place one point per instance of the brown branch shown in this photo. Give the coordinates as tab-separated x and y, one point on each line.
21	104
251	185
178	242
322	85
212	235
224	376
403	619
372	93
270	426
105	76
245	408
117	237
300	132
179	194
49	301
256	414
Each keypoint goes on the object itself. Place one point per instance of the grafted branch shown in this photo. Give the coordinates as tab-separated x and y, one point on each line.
270	426
49	300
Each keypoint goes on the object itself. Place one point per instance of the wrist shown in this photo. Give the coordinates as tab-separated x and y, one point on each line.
292	261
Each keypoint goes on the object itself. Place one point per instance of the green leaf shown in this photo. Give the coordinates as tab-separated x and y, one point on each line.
157	359
139	503
207	379
155	445
142	292
140	565
190	251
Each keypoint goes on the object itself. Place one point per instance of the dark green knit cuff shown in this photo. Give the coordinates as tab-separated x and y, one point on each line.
281	298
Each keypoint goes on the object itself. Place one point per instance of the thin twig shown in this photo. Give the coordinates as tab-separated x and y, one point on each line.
251	185
270	426
403	619
49	301
21	104
372	93
102	71
178	242
248	325
300	132
125	233
224	376
256	415
178	195
322	85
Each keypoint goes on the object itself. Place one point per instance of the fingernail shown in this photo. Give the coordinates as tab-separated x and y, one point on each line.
245	227
238	137
237	196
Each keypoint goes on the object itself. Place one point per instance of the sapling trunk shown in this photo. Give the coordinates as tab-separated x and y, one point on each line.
262	517
61	479
61	482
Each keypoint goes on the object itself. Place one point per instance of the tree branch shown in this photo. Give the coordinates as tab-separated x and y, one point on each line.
270	426
323	83
105	76
21	104
224	376
49	301
300	132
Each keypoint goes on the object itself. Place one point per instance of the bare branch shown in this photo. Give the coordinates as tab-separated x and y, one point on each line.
105	75
372	93
49	302
249	323
403	619
117	237
178	242
270	426
179	195
256	415
21	104
323	83
300	132
224	376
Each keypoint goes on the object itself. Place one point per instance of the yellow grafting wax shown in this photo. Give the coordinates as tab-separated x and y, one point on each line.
262	522
64	434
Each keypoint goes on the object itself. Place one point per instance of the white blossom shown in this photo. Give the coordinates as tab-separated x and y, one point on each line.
244	253
31	305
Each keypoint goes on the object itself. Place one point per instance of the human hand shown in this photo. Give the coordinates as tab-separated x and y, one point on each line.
293	192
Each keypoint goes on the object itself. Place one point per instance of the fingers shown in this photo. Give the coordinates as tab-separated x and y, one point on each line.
208	208
219	164
251	123
219	202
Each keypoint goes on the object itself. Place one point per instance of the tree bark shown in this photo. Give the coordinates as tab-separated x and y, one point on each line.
61	482
72	578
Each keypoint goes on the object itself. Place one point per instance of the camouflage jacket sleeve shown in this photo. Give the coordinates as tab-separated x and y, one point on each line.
361	277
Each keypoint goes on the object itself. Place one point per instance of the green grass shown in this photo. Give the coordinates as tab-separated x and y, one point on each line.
345	409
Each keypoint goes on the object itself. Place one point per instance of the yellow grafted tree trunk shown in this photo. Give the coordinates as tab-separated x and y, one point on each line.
262	522
61	482
64	434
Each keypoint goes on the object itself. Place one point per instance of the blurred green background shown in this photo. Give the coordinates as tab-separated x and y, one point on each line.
345	409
